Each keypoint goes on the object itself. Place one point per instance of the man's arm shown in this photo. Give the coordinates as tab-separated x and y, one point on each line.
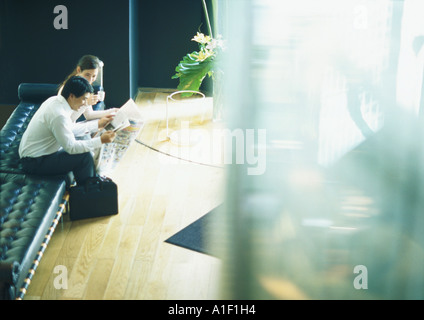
85	127
62	129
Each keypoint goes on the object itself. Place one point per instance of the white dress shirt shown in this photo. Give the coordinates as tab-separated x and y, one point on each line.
76	114
51	129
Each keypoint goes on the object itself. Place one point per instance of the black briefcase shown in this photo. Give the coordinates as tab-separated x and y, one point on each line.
98	197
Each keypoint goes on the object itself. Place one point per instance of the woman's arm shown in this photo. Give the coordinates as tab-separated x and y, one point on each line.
91	114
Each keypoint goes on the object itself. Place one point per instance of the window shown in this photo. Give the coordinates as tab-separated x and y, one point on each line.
339	199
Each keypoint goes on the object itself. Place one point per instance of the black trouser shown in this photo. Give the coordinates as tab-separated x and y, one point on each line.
61	162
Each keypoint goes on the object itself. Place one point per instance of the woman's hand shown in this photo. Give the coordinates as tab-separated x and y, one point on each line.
101	95
112	110
103	122
93	99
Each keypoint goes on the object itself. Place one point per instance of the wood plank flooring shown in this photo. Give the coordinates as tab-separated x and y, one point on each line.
124	256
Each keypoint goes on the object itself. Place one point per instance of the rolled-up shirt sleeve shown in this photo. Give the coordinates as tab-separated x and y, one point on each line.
62	129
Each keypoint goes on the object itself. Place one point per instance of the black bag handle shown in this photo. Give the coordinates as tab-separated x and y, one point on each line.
96	180
100	180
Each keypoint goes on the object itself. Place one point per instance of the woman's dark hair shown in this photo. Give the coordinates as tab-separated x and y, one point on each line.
76	85
86	62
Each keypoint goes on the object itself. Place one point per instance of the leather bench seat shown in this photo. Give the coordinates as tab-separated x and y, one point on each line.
11	134
31	95
28	206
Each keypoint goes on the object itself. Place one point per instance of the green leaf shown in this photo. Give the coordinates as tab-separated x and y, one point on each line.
191	72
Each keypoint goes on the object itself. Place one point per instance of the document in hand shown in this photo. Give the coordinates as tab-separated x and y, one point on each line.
122	118
127	123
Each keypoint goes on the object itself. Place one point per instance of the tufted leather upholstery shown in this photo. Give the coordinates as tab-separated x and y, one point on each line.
28	203
31	96
36	92
11	134
27	208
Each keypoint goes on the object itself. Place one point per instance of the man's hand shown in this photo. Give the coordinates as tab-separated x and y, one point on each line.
105	120
107	136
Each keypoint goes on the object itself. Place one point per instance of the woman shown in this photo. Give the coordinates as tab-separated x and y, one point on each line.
88	67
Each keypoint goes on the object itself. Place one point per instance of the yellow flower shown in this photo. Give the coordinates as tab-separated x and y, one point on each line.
201	38
204	54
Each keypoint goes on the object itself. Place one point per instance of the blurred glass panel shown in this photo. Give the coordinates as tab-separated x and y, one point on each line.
337	212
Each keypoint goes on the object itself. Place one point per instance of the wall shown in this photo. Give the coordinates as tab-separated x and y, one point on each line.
165	32
32	50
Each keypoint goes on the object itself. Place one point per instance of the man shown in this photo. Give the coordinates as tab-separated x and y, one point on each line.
49	147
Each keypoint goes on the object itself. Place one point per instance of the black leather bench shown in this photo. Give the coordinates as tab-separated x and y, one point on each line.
30	206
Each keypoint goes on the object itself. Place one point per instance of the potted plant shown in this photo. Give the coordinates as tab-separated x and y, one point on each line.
195	66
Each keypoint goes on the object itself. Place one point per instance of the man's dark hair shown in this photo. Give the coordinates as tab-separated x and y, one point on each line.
76	85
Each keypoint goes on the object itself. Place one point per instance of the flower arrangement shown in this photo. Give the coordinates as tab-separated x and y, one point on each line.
195	66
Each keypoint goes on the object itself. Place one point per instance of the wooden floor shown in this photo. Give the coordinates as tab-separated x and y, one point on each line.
125	256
